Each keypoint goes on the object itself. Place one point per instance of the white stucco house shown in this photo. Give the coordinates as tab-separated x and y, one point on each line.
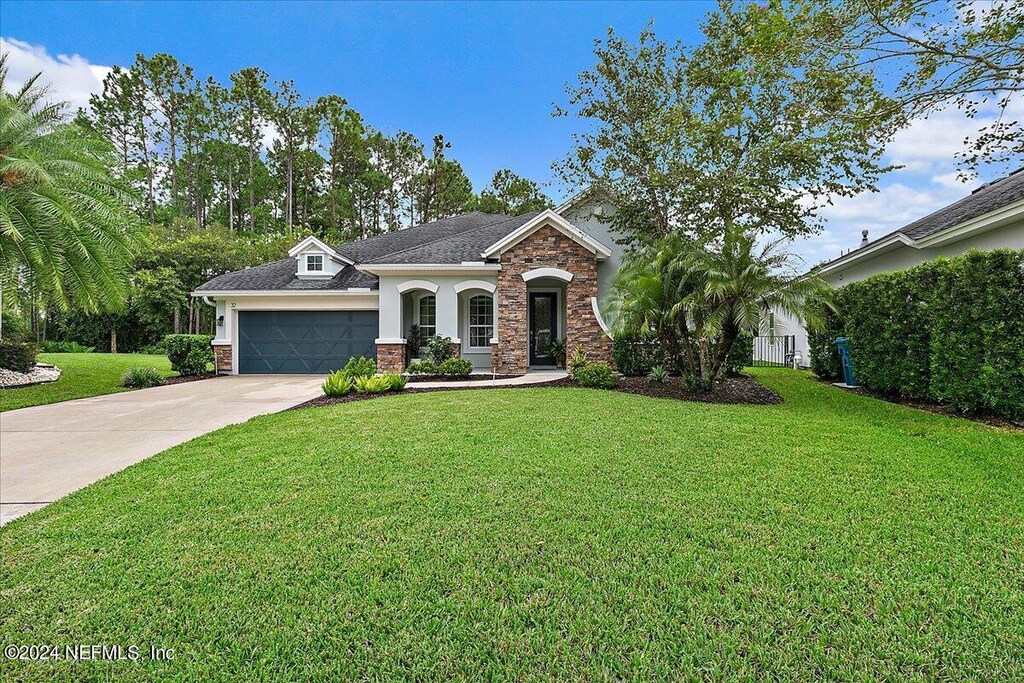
501	287
991	217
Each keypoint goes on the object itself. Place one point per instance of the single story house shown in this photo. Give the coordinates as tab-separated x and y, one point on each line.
991	217
501	287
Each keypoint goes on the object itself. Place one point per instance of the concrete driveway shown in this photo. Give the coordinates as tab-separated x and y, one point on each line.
49	451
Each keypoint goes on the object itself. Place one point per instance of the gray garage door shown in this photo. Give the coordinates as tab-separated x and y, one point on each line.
273	342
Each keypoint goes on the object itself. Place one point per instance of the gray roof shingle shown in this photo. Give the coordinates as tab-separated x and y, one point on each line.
451	240
464	246
985	199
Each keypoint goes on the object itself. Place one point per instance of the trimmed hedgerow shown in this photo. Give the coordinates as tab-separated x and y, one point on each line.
977	349
888	322
951	330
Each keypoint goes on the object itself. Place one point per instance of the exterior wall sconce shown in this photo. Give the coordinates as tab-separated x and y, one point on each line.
220	321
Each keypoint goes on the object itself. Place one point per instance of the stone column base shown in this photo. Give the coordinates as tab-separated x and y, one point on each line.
391	357
222	357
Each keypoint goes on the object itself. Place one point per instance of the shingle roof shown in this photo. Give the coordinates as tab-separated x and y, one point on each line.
464	246
451	240
985	199
282	275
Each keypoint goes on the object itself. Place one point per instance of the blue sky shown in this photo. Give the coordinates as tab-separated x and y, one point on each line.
484	74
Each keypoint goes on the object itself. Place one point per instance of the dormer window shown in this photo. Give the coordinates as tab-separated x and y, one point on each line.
314	263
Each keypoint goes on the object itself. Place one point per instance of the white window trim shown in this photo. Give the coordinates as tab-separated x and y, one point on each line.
313	254
465	322
416	310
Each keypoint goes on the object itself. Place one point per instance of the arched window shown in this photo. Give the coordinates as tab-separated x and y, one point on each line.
427	316
481	320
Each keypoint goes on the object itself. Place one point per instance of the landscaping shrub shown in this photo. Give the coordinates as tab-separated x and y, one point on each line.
190	354
596	376
440	349
13	327
338	383
423	367
141	378
396	382
577	360
740	356
658	374
17	356
951	330
636	354
360	367
51	346
458	367
372	385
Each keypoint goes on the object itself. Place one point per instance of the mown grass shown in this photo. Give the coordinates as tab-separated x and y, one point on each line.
84	375
543	533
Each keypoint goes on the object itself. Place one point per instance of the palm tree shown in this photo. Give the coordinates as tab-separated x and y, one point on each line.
697	298
650	297
63	217
738	286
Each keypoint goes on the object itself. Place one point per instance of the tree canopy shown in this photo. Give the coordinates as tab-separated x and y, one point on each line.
759	125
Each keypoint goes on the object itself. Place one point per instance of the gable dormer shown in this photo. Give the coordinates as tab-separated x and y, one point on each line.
317	259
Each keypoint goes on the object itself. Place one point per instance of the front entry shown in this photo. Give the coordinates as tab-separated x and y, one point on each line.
543	327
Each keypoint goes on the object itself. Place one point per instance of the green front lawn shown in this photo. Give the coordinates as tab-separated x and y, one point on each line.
543	533
84	374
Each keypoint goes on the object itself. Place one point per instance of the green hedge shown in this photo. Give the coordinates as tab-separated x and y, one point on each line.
636	354
189	353
951	330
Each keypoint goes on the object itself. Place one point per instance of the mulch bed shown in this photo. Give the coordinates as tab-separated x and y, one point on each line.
931	407
454	378
189	378
742	389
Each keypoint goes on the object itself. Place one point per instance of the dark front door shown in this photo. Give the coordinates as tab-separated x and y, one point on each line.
315	342
543	327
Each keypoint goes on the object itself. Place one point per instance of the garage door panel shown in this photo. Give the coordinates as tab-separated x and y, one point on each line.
302	342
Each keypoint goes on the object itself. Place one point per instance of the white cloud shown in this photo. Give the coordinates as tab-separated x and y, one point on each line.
72	78
928	180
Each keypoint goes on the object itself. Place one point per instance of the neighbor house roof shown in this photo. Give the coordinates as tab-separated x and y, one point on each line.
451	240
997	200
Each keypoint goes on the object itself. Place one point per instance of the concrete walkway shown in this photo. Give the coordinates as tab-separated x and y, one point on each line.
534	377
47	452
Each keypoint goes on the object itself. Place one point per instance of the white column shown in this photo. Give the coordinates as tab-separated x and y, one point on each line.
494	322
448	312
390	312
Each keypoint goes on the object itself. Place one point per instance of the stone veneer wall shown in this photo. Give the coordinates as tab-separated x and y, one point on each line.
222	357
546	248
390	357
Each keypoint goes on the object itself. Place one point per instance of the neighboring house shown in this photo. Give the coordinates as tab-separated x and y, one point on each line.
991	217
501	287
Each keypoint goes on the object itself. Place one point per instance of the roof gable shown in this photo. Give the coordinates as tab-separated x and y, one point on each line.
552	219
311	243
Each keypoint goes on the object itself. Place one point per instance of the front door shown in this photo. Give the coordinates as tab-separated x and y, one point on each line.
543	327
